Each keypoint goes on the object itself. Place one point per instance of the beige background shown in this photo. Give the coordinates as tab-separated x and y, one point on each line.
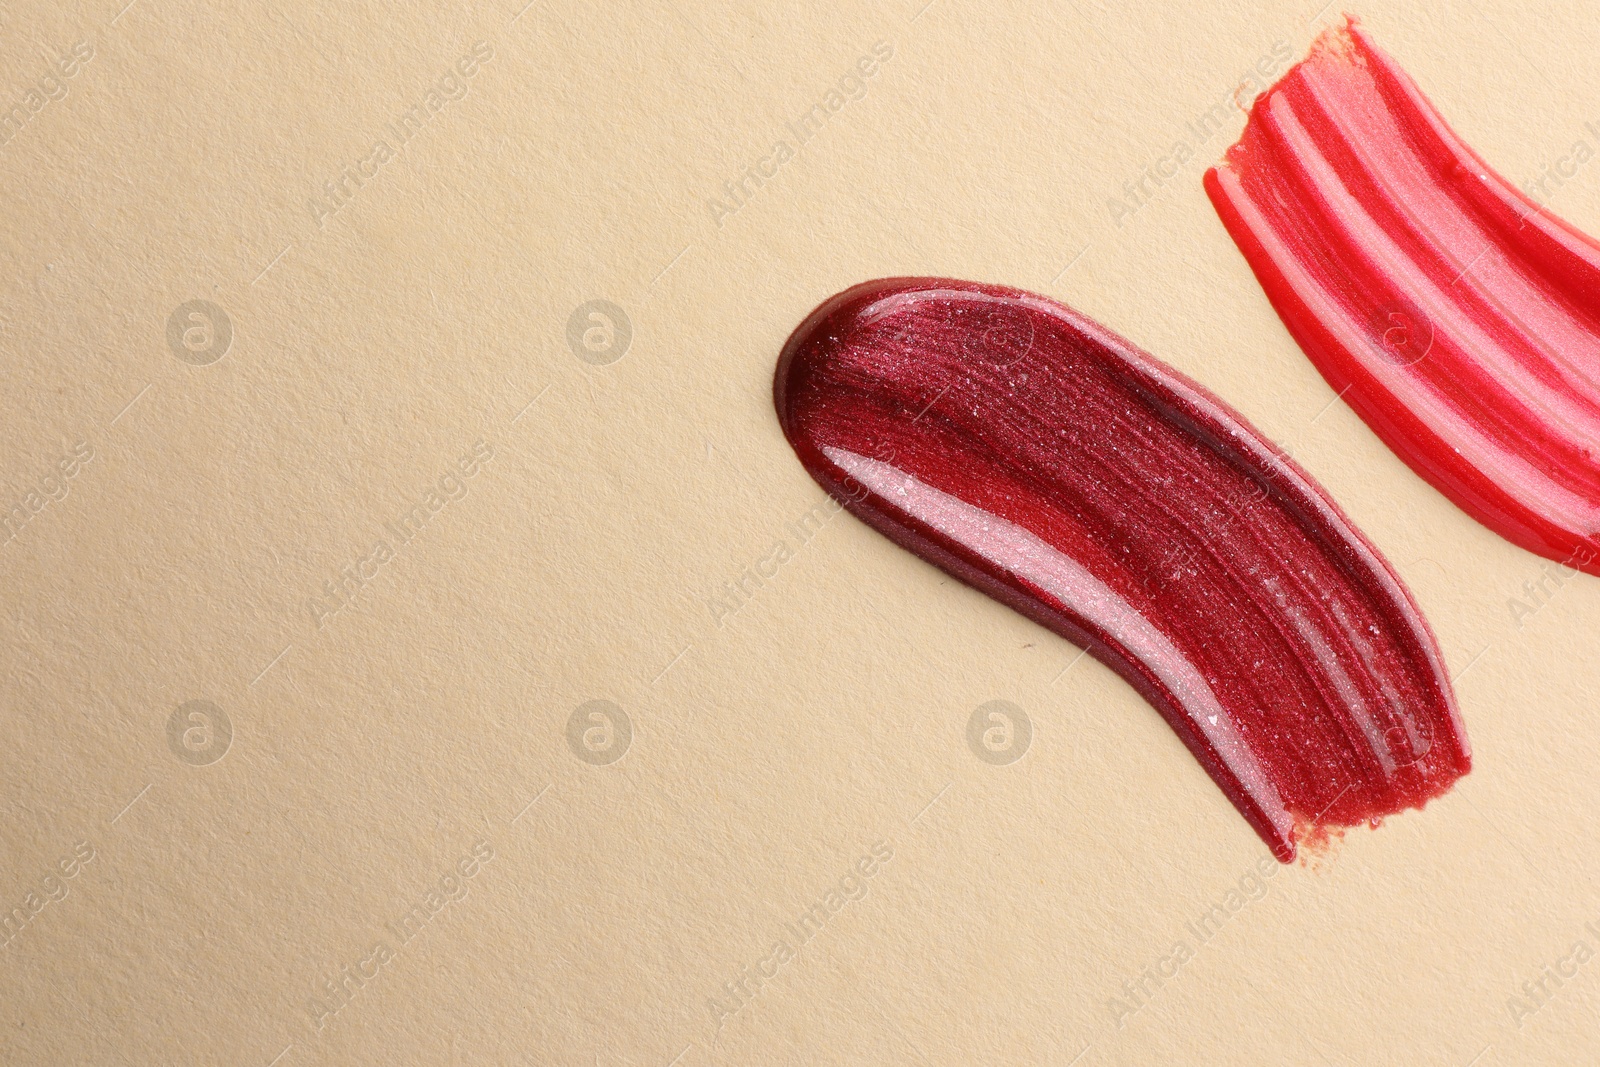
770	747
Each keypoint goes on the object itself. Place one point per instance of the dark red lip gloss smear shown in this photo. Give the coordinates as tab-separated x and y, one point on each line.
1044	460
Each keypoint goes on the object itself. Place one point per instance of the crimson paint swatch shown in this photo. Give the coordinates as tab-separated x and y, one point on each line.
1049	463
1458	319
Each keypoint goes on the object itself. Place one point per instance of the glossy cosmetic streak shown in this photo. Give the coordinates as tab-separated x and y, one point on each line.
1049	463
1456	317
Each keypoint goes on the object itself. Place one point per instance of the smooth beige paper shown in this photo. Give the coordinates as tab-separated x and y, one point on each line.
421	647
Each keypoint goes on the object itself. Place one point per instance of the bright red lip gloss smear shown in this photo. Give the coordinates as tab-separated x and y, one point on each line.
1042	459
1457	318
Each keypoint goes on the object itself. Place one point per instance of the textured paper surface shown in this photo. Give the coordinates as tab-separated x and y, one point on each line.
353	467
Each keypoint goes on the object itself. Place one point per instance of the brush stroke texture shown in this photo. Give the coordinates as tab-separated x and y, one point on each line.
1049	463
1457	318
